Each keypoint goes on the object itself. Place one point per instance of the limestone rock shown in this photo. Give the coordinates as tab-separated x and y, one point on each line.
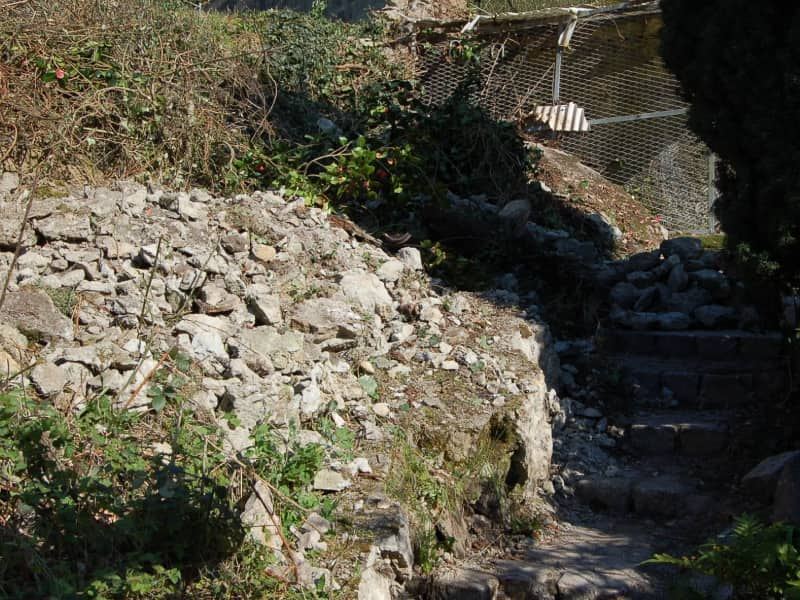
648	297
687	301
395	543
326	318
611	493
259	518
233	243
463	584
375	586
641	279
624	294
715	315
13	344
411	257
678	279
48	379
515	214
265	305
9	182
67	226
786	506
713	281
11	216
33	313
330	481
199	324
264	253
189	210
762	479
266	343
366	290
643	261
391	270
661	496
531	458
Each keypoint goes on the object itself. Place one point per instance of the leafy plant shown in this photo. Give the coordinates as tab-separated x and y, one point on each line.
290	470
116	504
427	496
88	509
758	561
370	386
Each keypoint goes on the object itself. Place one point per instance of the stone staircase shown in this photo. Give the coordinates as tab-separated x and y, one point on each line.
699	369
692	391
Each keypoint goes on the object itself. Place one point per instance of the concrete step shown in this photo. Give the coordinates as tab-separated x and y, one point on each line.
705	383
665	497
689	433
729	345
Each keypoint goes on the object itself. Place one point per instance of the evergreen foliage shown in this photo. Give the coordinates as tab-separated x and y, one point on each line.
739	64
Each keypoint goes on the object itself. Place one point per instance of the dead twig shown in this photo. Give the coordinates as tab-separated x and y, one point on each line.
13	4
277	526
10	148
147	378
149	284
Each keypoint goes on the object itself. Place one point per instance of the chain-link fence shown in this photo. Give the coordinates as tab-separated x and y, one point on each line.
610	67
504	6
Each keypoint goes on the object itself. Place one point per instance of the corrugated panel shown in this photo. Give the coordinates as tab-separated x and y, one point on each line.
562	117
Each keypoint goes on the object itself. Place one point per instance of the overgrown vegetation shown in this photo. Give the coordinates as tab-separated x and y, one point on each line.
155	90
731	58
427	495
758	561
108	503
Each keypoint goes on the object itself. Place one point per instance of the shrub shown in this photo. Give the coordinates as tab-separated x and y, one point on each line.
739	64
155	90
758	561
108	504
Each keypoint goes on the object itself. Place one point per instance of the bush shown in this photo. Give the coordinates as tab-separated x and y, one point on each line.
109	504
156	89
758	561
739	65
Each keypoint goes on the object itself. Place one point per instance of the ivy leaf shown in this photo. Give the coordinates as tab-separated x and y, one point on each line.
158	399
369	385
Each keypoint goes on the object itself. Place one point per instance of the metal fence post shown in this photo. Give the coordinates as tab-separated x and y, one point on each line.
557	70
712	191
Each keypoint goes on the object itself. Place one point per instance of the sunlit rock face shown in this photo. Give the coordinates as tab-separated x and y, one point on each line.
347	10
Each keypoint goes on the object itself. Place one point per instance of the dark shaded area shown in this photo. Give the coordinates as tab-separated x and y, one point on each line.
739	64
73	550
346	10
103	520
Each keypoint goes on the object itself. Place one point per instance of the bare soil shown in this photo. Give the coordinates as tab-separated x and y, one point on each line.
577	187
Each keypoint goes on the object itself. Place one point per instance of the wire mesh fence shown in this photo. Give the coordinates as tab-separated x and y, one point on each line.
501	6
639	136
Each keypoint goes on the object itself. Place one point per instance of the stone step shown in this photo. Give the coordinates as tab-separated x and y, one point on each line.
729	345
666	496
696	433
705	384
